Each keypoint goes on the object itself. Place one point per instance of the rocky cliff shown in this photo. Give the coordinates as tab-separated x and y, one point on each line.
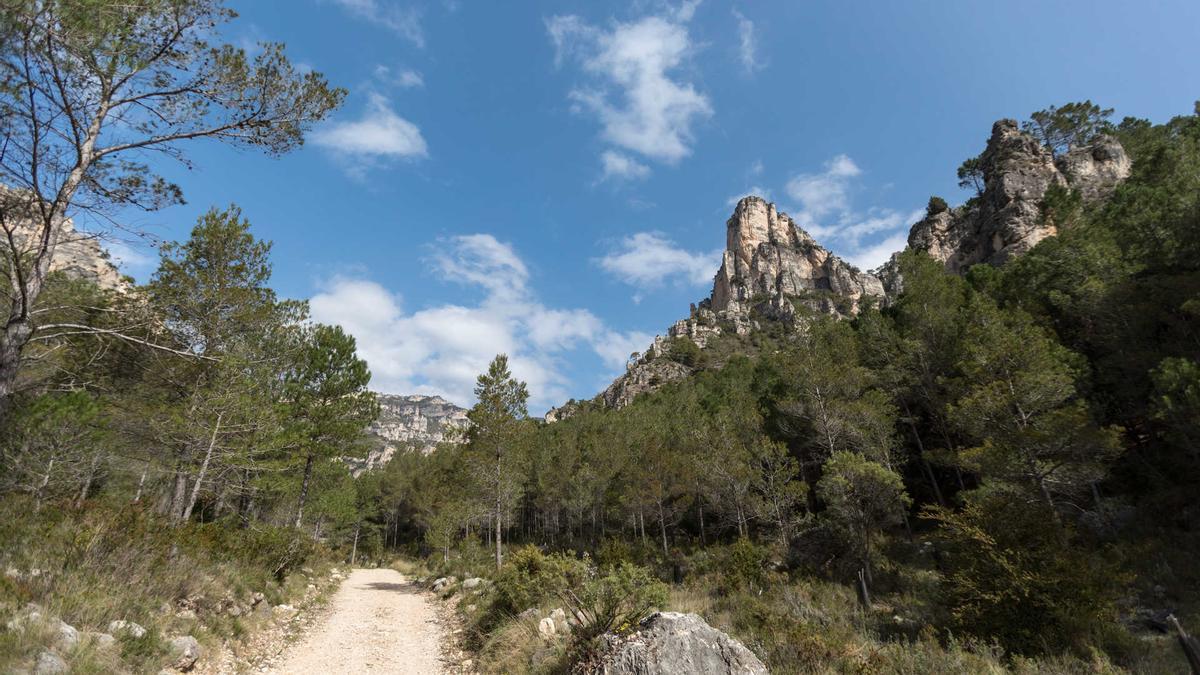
78	255
771	271
410	422
1007	220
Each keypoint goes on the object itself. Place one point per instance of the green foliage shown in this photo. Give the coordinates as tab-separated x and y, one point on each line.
1012	579
1068	126
1061	206
860	498
614	599
683	351
529	577
744	566
970	174
935	206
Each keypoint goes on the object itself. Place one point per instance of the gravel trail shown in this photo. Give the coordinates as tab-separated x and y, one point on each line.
377	623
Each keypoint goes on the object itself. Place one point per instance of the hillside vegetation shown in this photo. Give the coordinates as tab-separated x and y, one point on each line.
1002	461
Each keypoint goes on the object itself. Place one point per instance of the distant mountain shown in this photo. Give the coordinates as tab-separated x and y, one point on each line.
773	274
412	422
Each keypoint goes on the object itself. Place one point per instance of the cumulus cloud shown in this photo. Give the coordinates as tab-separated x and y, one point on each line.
747	44
867	238
380	134
622	166
822	193
642	105
403	21
404	78
441	349
649	259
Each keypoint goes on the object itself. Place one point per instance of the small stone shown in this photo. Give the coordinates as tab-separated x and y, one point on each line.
122	626
102	640
471	609
531	613
234	610
472	582
67	636
186	615
49	663
546	627
257	598
284	613
186	650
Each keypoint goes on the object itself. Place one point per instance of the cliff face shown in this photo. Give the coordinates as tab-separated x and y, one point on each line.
410	422
1007	218
770	265
78	255
771	271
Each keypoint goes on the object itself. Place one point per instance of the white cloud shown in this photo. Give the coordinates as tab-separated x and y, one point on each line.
622	166
822	193
876	254
403	21
752	191
642	106
616	348
747	44
130	259
405	78
647	259
443	348
379	135
865	238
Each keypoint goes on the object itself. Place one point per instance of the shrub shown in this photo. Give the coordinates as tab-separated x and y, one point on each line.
529	577
744	565
616	600
936	205
1014	577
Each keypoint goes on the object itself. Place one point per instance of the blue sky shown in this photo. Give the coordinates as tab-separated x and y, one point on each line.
552	180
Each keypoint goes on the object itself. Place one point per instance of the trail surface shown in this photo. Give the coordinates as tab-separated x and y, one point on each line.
378	623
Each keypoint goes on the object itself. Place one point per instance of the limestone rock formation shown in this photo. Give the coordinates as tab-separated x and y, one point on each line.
770	266
415	421
78	255
641	376
669	642
771	271
1007	218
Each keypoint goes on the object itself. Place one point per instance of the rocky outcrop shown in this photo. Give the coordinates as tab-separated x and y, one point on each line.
668	642
771	267
1007	219
771	271
641	376
77	255
413	422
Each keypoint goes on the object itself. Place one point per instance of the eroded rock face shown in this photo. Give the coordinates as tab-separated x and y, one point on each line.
416	421
771	271
640	377
78	255
669	642
1007	219
770	265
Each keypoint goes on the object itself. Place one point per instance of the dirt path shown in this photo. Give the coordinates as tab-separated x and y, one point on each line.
377	623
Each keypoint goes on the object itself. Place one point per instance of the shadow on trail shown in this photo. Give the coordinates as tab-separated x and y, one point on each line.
406	587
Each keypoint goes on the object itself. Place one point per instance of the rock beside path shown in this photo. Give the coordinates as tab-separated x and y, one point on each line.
669	642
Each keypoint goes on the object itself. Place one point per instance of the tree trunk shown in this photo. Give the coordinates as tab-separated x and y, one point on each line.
499	507
179	494
87	481
42	486
354	549
703	542
308	464
141	483
212	443
12	340
662	528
